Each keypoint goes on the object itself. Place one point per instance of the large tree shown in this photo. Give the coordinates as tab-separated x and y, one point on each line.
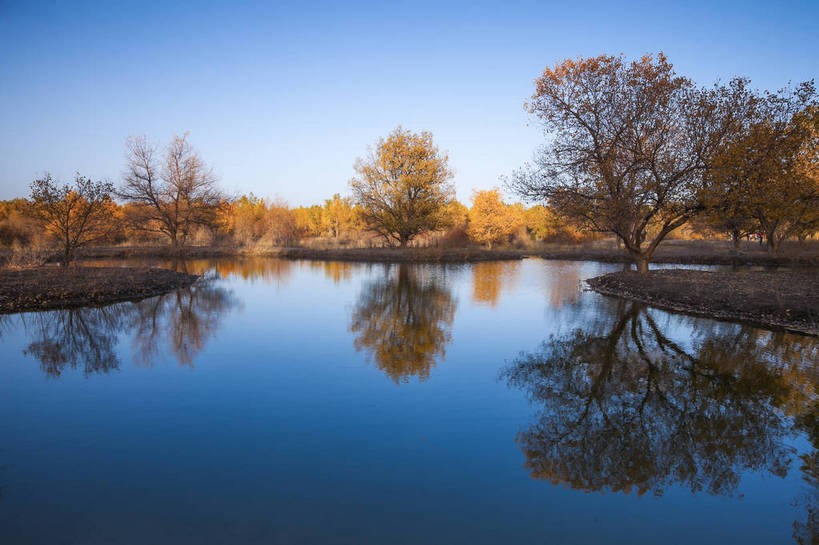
74	214
173	194
403	186
627	145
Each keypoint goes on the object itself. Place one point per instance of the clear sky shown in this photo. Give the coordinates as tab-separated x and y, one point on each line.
280	98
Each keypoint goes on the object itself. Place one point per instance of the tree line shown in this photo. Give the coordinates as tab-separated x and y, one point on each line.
170	196
632	150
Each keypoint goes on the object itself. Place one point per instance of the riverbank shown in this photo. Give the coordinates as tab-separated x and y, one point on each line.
403	255
52	287
779	300
692	252
361	255
684	252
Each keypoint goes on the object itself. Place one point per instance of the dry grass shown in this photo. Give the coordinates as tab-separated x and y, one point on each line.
26	257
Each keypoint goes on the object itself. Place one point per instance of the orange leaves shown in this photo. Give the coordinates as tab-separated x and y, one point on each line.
491	221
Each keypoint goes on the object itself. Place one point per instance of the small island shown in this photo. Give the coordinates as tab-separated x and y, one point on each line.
784	299
51	287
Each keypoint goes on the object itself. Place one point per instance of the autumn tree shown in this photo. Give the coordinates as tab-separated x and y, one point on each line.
766	178
173	194
309	220
491	221
74	214
338	214
457	215
627	146
403	186
246	218
281	222
16	223
543	223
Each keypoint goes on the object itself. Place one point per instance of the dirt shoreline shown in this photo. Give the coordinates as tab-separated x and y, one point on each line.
51	287
786	300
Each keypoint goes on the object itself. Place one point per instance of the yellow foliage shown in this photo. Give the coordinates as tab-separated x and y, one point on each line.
403	186
490	220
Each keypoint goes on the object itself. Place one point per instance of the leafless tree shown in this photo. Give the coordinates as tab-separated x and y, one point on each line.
171	195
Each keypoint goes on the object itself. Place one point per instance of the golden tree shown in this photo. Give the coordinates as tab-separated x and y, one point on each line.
338	215
309	220
246	218
766	177
490	220
403	186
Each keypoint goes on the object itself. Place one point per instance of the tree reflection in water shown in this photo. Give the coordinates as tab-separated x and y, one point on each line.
622	407
184	319
403	321
87	337
83	338
489	278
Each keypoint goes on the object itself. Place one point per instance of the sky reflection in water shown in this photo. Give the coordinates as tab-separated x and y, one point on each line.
292	402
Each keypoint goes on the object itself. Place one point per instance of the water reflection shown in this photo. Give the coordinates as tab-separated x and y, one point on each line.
269	271
403	321
83	338
562	283
337	271
622	407
806	532
184	320
491	277
87	338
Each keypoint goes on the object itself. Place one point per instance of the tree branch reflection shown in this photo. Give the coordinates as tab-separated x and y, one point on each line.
403	322
87	338
622	407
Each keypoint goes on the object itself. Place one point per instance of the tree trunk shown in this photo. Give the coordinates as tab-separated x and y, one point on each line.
642	264
773	243
735	238
640	256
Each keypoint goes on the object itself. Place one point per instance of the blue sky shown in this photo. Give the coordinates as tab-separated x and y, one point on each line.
280	98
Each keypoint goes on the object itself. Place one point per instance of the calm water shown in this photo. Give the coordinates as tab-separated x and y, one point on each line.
306	402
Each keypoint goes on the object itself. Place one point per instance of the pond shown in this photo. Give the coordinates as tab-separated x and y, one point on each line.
322	402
